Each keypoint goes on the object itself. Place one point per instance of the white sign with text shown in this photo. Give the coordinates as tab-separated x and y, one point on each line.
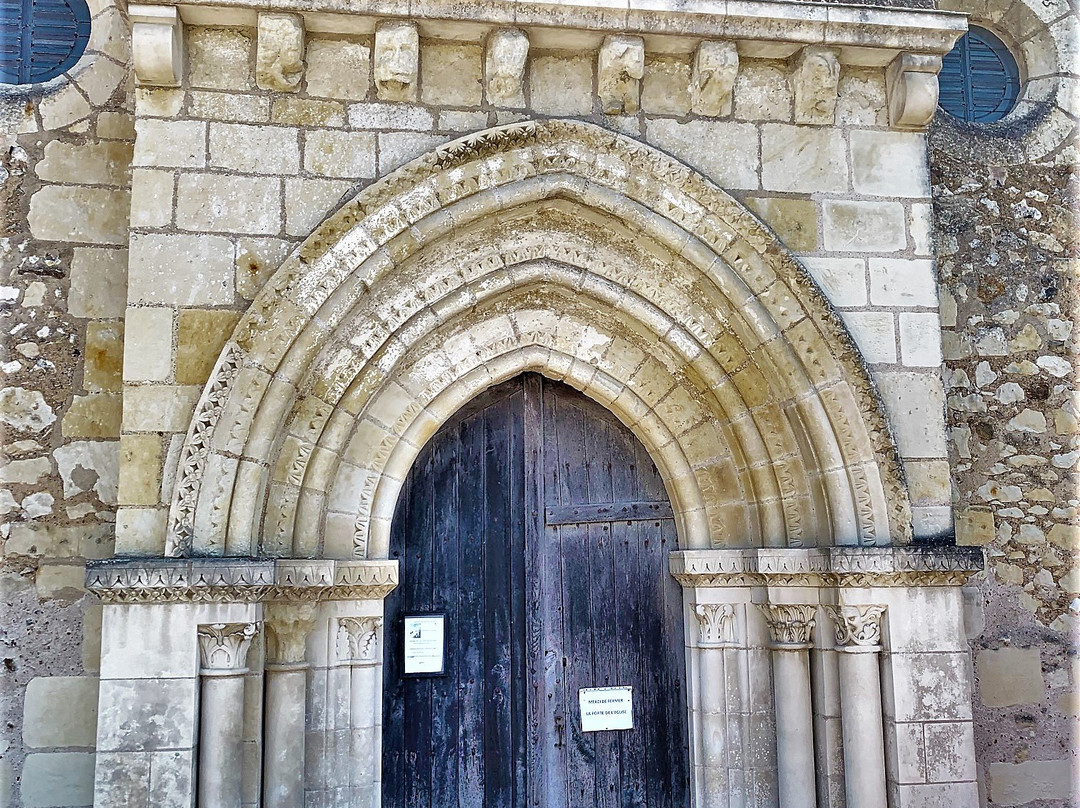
605	708
424	636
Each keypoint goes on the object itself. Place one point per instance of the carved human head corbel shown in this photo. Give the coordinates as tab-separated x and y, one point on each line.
504	67
716	65
397	61
279	59
815	77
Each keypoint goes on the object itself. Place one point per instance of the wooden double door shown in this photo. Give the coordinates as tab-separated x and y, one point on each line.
539	526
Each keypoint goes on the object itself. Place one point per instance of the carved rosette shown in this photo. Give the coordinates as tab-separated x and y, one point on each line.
857	627
716	623
790	624
287	627
223	648
358	640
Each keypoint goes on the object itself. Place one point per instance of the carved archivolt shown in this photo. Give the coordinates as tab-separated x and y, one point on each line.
558	247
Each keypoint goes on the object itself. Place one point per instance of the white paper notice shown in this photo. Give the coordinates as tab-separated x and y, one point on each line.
604	708
424	644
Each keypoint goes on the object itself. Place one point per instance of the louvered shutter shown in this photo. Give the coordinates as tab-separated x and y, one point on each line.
979	79
40	39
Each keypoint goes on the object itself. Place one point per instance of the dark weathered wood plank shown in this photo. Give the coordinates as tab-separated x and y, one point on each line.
605	511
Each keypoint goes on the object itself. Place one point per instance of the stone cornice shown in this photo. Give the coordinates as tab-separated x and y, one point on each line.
858	27
201	580
828	566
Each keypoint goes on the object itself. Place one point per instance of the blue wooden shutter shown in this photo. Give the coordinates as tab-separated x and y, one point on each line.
40	39
979	80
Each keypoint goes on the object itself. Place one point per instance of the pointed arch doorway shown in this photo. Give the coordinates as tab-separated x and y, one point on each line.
539	526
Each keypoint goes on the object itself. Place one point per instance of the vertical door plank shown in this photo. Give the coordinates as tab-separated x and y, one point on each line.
518	593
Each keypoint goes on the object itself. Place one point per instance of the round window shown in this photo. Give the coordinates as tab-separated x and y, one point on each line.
40	39
979	80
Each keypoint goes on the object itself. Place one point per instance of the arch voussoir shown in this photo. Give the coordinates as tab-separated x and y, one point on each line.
558	247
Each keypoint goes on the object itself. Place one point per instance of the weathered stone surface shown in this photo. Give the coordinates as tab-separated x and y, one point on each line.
398	148
159	408
200	336
139	480
763	92
920	339
254	149
106	163
308	202
151	198
337	69
57	778
219	58
104	355
98	283
914	402
1009	676
89	466
169	144
900	282
216	203
60	582
60	711
889	164
561	86
279	52
340	154
397	58
152	329
146	714
795	221
843	280
452	75
1022	783
815	75
692	142
230	107
665	89
96	415
863	226
25	410
25	472
620	68
974	527
715	68
504	67
79	214
801	159
182	270
305	112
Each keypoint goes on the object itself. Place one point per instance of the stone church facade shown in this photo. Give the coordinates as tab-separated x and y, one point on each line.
256	256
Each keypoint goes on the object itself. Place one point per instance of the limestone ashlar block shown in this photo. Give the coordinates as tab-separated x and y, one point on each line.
279	53
184	270
665	90
561	85
903	282
255	149
140	470
1022	783
169	144
620	68
98	282
152	330
815	76
337	69
911	85
915	404
715	68
122	778
157	45
892	164
858	226
736	166
507	51
843	280
1010	676
220	59
229	204
57	778
397	61
60	711
143	715
800	159
452	75
927	687
80	214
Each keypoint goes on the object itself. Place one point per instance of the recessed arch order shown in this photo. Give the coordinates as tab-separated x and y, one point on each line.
558	247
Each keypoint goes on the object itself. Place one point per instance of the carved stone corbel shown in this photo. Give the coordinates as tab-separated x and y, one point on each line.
397	61
157	45
279	57
620	70
911	85
716	65
815	76
504	67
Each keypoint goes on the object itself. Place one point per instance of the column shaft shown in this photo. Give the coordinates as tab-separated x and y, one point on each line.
284	733
221	740
794	728
860	711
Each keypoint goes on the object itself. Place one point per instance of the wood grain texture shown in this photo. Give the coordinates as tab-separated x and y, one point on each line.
539	525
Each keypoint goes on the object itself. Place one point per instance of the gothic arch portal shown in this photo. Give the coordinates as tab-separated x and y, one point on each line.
549	246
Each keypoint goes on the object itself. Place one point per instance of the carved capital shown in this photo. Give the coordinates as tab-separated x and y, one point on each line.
359	640
716	622
287	628
716	65
621	67
857	626
157	45
397	61
223	647
911	85
279	57
504	67
791	625
815	75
